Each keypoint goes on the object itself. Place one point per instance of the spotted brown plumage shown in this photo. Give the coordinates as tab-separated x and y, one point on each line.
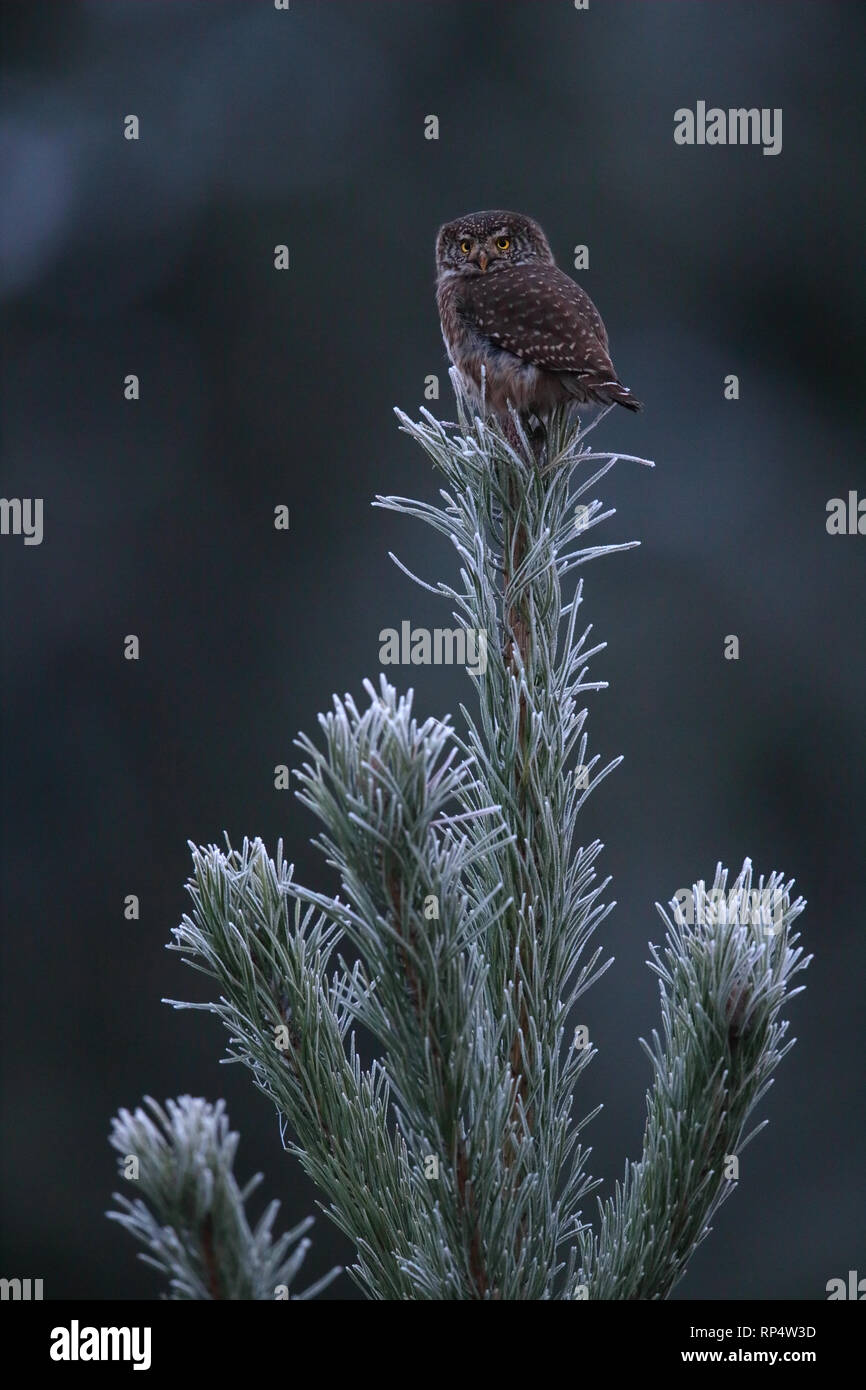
506	308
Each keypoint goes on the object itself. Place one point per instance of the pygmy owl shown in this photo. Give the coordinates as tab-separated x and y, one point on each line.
505	306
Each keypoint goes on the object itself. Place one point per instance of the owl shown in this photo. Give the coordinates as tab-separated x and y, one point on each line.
505	306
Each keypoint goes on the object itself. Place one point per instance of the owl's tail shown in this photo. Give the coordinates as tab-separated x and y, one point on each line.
606	390
612	392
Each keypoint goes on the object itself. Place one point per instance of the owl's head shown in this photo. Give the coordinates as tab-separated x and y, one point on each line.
483	242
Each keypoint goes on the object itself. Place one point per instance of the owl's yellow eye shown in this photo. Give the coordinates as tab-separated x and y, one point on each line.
466	247
503	242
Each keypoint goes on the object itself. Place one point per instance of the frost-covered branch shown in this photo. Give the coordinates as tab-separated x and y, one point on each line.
724	977
190	1214
461	939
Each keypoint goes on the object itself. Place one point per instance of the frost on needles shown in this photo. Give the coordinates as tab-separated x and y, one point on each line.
467	908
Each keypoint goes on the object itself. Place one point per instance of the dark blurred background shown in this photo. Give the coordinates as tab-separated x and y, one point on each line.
155	257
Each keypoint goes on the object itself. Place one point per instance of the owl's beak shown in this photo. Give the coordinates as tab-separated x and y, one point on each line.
483	260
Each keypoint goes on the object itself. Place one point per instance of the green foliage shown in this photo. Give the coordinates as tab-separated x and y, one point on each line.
724	979
453	1161
190	1213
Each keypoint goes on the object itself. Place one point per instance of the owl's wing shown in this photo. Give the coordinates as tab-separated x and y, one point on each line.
541	315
